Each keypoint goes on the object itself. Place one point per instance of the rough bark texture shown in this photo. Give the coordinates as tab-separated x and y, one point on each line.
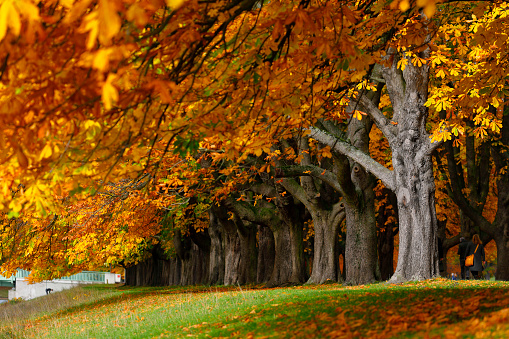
248	253
325	250
216	262
194	260
361	245
231	242
292	216
411	158
267	214
266	254
412	178
502	272
282	271
327	214
361	240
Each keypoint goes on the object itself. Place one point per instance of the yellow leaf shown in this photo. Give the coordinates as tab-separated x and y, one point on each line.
358	115
109	21
9	17
14	19
109	93
3	20
67	3
174	4
429	10
28	10
404	5
402	64
93	128
137	14
76	10
90	24
15	206
102	60
46	152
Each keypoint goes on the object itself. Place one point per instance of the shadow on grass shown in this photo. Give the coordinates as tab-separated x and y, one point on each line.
399	312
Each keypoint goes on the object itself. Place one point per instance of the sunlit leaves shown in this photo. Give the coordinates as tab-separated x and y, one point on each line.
11	15
402	63
92	128
109	92
109	21
175	4
358	114
46	152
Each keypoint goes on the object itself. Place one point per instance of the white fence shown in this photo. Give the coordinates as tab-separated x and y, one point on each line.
22	289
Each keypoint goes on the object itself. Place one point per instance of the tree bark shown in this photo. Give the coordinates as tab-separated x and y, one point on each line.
326	220
266	254
248	252
216	262
412	179
232	253
325	251
360	210
266	214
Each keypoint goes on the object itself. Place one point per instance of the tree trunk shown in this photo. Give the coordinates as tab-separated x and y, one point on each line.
325	263
502	272
323	204
361	242
216	263
266	254
414	183
299	260
282	271
267	214
194	266
360	210
175	271
232	256
418	247
248	254
154	271
292	216
325	251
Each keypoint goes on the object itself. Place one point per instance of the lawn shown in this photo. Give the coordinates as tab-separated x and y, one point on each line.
436	308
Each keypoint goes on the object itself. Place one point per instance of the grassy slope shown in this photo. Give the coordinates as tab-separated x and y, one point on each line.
438	308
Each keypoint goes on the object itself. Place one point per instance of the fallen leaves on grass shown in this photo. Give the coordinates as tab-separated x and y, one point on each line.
434	308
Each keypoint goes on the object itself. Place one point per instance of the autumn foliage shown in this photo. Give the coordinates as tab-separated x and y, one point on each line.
128	126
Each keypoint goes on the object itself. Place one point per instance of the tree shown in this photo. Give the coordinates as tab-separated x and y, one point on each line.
95	90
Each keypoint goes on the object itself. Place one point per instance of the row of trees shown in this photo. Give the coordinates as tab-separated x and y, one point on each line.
227	140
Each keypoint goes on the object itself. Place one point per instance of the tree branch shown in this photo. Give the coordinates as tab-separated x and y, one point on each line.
356	155
379	118
311	170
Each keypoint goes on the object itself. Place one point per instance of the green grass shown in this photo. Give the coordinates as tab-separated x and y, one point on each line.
439	307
